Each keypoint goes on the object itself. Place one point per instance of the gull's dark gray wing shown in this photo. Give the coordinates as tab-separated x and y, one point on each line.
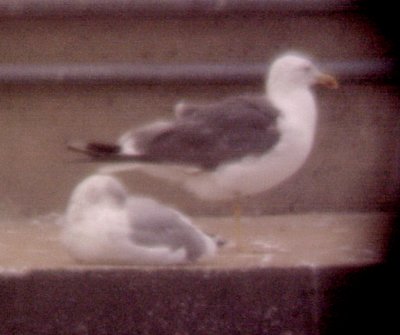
185	110
156	225
204	136
209	135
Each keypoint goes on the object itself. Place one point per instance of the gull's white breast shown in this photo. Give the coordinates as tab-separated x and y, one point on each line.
255	174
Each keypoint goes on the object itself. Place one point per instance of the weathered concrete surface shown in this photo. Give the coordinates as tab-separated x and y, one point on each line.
318	239
267	301
270	301
253	38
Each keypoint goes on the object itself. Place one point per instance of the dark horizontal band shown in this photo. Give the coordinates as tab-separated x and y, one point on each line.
43	8
382	70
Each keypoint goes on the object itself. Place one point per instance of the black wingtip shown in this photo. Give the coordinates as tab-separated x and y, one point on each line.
102	148
93	149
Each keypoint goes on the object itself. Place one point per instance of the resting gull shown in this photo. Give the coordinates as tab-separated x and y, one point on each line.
103	224
231	148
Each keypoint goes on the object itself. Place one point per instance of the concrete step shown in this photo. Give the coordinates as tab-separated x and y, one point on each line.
349	71
185	32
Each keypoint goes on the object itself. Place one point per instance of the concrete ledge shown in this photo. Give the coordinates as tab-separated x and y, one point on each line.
328	277
314	239
256	301
159	302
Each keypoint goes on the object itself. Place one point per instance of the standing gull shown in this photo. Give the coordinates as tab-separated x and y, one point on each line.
238	146
104	225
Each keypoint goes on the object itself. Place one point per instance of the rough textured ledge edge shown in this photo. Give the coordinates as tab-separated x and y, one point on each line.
271	301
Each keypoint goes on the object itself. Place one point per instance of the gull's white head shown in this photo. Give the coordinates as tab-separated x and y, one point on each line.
294	71
99	190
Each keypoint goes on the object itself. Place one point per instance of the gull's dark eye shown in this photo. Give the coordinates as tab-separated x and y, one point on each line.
307	68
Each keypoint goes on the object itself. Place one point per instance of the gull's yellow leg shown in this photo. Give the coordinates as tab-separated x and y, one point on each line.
237	213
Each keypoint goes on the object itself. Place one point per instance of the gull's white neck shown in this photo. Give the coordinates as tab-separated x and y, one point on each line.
297	105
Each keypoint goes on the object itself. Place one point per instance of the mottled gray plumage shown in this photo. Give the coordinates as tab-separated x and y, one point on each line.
212	134
154	224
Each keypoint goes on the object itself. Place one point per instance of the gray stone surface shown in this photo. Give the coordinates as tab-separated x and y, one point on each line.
286	301
159	302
